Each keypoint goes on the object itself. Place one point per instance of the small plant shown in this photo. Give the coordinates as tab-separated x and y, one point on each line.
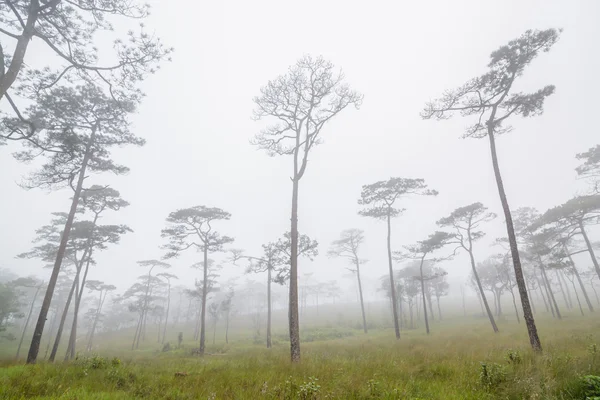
593	349
166	347
374	387
492	375
591	387
115	362
309	390
513	357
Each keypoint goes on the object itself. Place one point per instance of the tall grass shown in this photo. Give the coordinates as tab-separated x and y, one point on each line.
461	359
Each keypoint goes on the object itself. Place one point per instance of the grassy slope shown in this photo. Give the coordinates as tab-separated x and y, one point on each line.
445	365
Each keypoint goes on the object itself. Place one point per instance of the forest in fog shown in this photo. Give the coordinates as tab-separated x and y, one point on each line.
415	205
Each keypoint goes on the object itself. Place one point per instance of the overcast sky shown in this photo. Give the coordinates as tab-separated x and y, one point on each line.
197	121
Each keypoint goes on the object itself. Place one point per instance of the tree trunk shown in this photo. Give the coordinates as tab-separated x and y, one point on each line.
27	321
562	290
269	344
550	293
439	308
512	293
204	296
499	296
294	321
532	301
72	338
581	285
424	296
96	318
590	248
534	339
39	328
392	284
482	293
541	287
9	77
137	329
167	313
577	297
429	302
227	327
63	317
594	289
52	324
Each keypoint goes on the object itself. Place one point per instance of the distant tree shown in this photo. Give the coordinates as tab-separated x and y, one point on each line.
70	31
146	298
491	100
166	276
573	216
347	246
591	166
214	310
440	287
192	227
507	278
200	289
102	289
300	103
491	280
379	199
33	284
272	260
226	308
80	125
465	221
9	308
420	251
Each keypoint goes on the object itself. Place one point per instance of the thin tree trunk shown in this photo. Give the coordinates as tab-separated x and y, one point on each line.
27	321
269	344
532	301
52	325
512	293
581	285
590	248
204	295
550	293
594	289
227	327
424	296
72	338
97	317
214	332
541	285
577	297
137	329
561	276
512	239
439	308
392	284
562	290
480	287
167	313
39	328
462	292
430	305
294	321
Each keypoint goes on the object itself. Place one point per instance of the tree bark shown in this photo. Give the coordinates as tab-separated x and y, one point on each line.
60	254
293	305
392	284
534	339
27	321
590	248
482	293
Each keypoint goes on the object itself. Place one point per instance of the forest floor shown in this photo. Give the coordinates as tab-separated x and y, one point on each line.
460	359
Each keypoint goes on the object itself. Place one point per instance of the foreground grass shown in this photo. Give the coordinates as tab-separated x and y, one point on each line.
444	365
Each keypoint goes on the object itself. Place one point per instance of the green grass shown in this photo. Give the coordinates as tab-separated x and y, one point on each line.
444	365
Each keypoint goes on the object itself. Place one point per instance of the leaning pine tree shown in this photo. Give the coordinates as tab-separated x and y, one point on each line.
77	128
490	99
300	103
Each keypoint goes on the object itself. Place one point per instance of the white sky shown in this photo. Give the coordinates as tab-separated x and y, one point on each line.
196	119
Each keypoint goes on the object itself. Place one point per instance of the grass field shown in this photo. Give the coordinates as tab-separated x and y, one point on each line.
461	359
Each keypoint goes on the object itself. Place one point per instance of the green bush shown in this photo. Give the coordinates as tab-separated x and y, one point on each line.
492	375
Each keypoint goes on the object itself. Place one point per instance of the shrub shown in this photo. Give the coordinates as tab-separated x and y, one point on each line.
591	387
166	347
513	357
492	375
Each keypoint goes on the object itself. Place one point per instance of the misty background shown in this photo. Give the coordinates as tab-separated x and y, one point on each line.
197	121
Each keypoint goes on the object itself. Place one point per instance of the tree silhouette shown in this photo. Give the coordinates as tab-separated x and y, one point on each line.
490	99
300	103
166	276
70	31
590	168
420	251
347	246
379	199
192	227
465	221
102	289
